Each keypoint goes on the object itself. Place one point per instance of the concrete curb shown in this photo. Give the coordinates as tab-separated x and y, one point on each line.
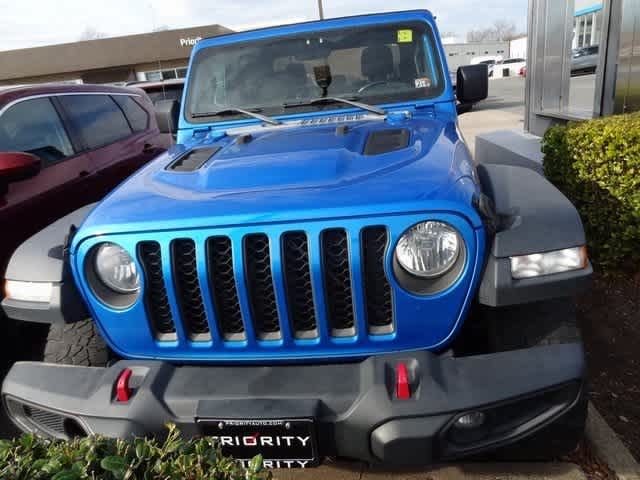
609	448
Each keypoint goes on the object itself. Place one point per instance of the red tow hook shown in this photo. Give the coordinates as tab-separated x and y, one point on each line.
403	389
123	392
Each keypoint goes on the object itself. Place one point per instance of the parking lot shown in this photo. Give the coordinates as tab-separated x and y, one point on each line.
504	108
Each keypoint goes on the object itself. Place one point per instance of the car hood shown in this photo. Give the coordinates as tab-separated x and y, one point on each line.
299	172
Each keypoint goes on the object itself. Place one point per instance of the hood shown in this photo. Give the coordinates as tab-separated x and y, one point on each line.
296	172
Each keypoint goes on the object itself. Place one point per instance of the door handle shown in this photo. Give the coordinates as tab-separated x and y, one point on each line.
148	148
83	173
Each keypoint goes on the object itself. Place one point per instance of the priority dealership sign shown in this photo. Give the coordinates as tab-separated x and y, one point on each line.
189	41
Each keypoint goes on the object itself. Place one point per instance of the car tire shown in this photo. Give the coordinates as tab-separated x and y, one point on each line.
533	325
20	341
77	343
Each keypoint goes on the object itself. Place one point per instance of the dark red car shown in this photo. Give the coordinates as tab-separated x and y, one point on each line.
65	146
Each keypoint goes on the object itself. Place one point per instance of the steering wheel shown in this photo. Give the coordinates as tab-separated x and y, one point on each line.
372	84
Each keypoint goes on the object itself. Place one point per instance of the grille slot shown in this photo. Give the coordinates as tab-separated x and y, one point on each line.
297	278
156	300
377	290
187	284
49	421
259	279
337	282
222	283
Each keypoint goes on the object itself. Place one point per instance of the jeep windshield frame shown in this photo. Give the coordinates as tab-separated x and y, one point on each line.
381	63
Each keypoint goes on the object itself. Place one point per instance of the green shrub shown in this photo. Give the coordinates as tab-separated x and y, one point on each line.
596	164
32	458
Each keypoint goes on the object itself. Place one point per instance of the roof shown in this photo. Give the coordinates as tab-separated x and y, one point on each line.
157	85
8	94
103	53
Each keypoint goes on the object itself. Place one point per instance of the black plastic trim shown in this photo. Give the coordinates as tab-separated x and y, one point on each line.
498	288
43	258
385	141
348	401
193	159
533	215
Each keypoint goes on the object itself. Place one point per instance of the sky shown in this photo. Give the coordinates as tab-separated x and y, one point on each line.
30	23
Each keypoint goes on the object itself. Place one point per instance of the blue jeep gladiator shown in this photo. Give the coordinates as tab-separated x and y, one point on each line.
316	269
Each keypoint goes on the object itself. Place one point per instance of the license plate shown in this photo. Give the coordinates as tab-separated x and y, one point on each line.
282	443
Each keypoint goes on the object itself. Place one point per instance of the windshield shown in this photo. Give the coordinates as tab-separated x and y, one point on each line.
373	64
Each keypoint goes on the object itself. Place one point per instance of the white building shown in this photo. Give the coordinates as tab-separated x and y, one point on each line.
518	48
587	26
459	54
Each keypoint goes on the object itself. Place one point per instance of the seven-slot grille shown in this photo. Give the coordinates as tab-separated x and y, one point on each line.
262	268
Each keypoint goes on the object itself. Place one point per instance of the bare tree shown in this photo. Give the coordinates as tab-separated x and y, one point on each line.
501	31
481	35
504	29
90	33
447	34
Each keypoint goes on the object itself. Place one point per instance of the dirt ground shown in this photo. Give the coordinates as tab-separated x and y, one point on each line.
610	320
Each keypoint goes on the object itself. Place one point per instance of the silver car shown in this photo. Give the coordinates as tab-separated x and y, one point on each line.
584	60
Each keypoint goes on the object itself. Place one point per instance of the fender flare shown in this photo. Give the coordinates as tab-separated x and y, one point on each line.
43	259
531	216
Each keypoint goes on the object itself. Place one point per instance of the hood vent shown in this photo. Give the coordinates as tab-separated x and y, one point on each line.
385	141
193	159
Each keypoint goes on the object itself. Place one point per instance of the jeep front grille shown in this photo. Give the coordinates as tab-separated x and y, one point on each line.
269	287
297	278
156	299
337	282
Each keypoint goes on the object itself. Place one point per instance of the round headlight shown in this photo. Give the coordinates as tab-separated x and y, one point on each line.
428	249
116	269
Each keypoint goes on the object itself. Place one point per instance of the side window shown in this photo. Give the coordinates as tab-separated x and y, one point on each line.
137	116
34	126
97	118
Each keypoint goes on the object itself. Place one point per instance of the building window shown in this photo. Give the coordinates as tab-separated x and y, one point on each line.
166	74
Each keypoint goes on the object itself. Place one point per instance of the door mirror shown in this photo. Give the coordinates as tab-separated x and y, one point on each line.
472	83
17	166
167	113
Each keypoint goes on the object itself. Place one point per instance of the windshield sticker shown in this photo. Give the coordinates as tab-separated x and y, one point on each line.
424	82
405	36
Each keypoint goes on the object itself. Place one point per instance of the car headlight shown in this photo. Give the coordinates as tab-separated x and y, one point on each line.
558	261
116	269
428	249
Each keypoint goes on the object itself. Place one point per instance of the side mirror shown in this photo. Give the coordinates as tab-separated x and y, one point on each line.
472	83
17	166
167	114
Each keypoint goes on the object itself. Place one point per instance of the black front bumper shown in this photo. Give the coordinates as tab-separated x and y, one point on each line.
354	405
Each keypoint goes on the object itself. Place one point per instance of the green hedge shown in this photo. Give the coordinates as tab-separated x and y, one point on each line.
32	458
596	164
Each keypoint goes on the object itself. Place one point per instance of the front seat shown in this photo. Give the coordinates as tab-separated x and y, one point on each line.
377	63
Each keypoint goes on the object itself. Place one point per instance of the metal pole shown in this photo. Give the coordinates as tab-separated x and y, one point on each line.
320	10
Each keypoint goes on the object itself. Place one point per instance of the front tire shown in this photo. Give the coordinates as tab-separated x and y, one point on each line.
533	325
77	343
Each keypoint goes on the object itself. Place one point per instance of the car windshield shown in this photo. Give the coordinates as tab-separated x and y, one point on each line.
373	64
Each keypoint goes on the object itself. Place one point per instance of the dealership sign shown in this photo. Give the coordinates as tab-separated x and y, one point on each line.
189	41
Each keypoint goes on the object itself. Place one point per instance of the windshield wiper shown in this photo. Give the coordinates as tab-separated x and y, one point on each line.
321	100
229	110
